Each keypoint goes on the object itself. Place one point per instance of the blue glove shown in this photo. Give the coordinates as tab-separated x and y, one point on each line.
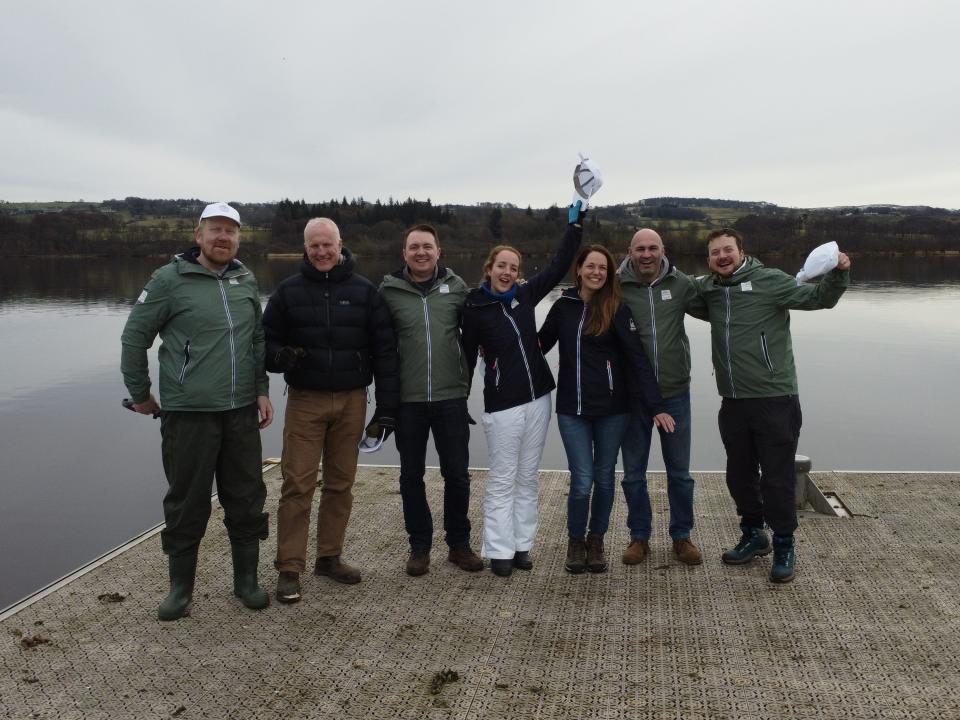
575	215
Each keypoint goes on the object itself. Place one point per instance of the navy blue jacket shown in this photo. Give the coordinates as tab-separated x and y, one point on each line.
342	323
506	333
598	373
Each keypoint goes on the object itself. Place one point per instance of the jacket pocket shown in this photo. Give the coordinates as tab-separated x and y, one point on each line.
765	351
186	361
610	376
496	374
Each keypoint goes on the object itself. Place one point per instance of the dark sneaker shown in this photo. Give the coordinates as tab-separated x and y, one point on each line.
522	560
784	559
465	558
288	587
636	552
596	556
332	568
503	568
687	552
576	556
419	562
753	543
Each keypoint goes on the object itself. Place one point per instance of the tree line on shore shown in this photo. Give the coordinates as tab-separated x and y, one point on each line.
144	227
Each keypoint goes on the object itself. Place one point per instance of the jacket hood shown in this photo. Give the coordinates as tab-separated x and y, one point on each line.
403	274
337	273
192	256
628	275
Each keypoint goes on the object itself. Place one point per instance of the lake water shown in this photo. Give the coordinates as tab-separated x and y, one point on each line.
81	475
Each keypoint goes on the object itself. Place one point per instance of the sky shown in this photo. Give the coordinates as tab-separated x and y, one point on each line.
800	104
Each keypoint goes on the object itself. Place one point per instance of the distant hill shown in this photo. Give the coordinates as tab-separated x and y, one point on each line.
144	226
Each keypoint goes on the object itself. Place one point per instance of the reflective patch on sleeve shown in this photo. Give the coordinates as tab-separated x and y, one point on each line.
143	297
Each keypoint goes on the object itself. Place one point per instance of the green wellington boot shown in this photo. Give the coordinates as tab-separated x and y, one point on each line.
245	560
183	572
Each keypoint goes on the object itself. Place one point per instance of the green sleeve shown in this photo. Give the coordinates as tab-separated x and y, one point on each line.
695	305
148	315
261	380
807	296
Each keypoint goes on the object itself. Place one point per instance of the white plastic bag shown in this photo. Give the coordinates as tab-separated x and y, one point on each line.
820	261
587	179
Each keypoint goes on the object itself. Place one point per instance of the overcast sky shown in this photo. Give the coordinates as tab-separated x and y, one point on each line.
799	104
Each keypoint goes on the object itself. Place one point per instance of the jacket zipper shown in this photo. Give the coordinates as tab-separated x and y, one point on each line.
523	353
766	352
610	376
583	316
653	329
496	374
233	344
426	324
733	389
186	359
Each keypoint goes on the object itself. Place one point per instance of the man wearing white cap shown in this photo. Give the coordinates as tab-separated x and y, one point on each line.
206	308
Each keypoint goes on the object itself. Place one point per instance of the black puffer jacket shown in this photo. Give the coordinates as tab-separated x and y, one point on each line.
342	323
599	374
516	372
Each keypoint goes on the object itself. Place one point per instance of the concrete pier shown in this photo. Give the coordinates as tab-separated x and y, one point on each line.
870	628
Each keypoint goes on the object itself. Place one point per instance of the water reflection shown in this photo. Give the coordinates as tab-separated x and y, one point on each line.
82	475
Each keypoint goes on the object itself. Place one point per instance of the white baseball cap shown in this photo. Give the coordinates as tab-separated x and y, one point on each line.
220	209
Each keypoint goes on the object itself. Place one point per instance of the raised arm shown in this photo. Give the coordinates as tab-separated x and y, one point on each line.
558	267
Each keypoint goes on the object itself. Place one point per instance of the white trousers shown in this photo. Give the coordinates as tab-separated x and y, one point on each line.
515	440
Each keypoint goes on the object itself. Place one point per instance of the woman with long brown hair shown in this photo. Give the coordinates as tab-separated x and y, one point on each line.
603	368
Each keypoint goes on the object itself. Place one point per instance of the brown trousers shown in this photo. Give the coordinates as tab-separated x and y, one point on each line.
318	426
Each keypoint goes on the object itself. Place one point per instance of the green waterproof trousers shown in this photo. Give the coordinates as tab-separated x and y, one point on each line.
201	446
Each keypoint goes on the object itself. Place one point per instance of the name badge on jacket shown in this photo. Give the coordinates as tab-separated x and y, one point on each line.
665	295
746	286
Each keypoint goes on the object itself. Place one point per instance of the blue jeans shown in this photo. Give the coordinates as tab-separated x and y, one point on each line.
676	459
451	436
591	444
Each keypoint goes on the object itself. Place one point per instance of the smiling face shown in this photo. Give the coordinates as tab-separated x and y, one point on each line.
322	245
219	239
421	253
503	271
646	254
724	256
592	274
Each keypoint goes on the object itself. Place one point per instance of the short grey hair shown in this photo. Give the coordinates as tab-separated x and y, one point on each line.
322	221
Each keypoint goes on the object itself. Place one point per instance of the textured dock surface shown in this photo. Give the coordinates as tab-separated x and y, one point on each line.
869	629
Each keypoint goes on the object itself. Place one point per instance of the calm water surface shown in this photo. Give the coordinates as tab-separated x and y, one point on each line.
81	475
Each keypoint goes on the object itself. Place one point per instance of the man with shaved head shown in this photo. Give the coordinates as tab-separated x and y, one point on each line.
659	296
329	332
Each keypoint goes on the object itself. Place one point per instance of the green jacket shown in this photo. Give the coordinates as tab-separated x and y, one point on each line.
427	325
658	309
212	351
750	326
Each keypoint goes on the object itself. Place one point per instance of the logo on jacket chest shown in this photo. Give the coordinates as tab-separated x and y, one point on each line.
665	295
746	286
343	302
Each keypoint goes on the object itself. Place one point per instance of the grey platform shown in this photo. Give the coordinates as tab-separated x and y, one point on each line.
869	629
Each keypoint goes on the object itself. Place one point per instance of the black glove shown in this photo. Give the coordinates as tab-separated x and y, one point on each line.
576	214
384	422
287	357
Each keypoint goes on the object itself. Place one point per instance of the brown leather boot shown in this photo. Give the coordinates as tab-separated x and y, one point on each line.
636	552
465	558
419	562
596	557
687	552
332	568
